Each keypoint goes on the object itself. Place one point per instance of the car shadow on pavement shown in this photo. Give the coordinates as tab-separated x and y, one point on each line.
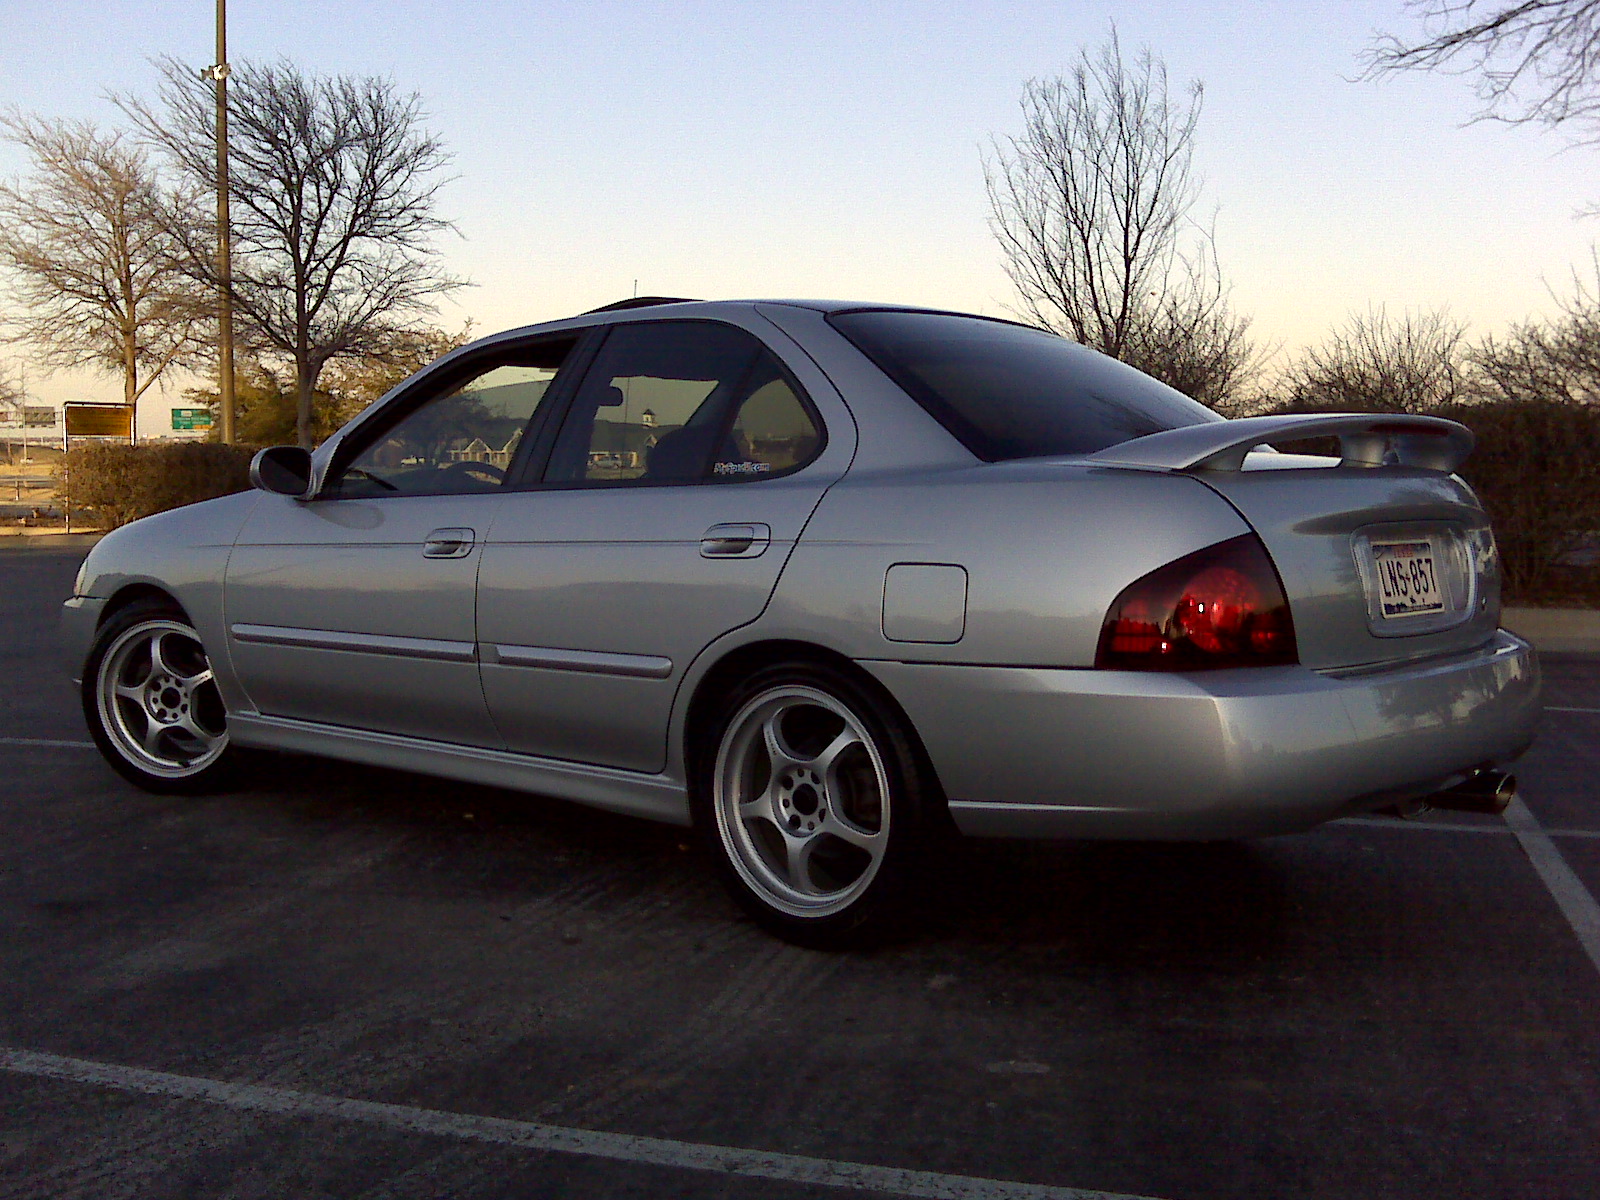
1221	904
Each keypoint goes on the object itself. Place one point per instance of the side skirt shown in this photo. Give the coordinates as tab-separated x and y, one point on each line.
654	797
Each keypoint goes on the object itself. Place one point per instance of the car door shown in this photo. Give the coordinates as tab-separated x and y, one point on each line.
686	465
356	608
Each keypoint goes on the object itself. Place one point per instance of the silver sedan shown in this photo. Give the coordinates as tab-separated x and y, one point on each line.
828	581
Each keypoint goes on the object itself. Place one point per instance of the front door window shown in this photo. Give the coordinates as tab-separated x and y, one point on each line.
462	441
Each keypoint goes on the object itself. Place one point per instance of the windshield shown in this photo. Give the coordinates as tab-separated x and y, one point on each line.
1007	391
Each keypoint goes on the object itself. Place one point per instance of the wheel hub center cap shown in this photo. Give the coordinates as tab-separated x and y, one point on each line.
801	800
805	799
165	699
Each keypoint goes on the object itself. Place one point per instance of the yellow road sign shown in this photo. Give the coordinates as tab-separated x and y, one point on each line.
99	420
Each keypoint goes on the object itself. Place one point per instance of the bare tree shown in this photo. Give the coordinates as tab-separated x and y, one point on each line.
11	393
93	259
1534	404
266	398
1376	363
1091	206
354	383
1534	60
1551	361
1191	340
333	185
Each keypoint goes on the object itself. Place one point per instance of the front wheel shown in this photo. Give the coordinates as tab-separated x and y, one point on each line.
151	701
812	800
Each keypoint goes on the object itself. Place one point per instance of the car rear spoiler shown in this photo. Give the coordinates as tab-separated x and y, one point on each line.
1365	440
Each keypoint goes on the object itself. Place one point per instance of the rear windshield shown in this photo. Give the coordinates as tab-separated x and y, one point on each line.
1006	391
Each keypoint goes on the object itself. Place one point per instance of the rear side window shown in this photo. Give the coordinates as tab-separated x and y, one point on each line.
1006	391
682	402
771	432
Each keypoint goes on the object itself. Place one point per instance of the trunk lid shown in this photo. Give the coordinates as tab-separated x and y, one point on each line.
1378	563
1384	553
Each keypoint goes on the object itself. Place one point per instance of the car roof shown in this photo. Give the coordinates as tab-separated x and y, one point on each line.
635	308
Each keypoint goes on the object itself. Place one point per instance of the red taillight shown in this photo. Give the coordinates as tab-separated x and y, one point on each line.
1218	607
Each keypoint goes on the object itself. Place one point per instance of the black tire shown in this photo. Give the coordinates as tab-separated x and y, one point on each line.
151	704
820	835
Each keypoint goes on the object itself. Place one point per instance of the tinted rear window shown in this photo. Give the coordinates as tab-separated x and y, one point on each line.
1007	391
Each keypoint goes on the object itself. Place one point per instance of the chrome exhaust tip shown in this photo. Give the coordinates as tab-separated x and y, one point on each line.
1485	792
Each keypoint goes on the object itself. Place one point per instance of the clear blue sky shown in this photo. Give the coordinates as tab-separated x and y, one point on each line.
834	149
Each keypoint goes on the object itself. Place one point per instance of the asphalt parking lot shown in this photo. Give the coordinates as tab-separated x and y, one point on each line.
342	982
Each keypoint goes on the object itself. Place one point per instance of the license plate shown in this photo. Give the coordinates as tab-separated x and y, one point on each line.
1408	586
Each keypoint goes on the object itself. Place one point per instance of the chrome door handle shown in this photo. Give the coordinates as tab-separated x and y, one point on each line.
734	541
448	543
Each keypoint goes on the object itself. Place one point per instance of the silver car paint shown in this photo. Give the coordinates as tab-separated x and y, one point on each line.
1309	520
619	571
1214	754
184	553
1045	546
656	797
616	572
356	567
925	603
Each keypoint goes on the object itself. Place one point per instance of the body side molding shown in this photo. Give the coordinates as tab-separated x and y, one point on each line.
361	643
594	662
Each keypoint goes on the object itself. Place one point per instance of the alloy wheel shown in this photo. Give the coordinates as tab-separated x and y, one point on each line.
801	800
158	701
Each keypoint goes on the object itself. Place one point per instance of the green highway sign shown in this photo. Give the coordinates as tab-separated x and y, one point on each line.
191	418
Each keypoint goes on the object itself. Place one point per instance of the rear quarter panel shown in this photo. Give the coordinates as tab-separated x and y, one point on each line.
1046	547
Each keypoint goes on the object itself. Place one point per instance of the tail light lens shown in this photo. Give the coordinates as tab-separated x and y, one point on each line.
1218	607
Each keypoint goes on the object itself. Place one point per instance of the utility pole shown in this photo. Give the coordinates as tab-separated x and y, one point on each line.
219	73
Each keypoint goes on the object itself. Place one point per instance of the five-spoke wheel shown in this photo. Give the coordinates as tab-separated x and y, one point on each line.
813	802
151	701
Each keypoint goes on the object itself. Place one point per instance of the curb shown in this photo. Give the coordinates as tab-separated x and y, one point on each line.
49	541
1556	630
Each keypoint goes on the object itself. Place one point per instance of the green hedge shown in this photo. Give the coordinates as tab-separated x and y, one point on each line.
124	483
1536	468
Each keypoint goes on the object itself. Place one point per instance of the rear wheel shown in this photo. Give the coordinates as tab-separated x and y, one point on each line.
151	701
811	798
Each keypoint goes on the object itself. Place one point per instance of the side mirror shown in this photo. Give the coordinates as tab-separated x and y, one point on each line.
282	470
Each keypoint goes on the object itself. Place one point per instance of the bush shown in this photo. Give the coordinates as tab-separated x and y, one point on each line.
1536	468
124	483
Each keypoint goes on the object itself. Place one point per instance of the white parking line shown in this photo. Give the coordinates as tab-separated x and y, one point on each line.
1454	827
1568	891
1574	899
1420	826
590	1143
1567	708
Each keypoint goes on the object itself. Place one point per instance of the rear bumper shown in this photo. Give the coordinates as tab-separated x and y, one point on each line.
1027	752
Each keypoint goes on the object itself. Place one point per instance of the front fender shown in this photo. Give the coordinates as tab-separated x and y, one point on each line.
183	553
